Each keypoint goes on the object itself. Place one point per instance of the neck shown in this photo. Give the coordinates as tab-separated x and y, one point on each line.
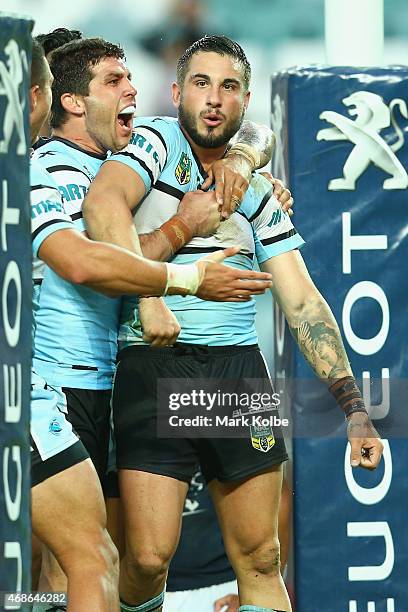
206	156
79	137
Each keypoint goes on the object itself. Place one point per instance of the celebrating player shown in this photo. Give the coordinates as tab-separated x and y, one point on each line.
165	160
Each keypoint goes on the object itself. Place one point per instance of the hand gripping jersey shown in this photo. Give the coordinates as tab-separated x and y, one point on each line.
163	158
76	335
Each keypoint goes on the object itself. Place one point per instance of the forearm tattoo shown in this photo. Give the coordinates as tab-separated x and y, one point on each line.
319	339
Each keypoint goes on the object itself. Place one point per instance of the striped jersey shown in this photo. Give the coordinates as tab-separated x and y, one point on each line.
161	155
47	216
76	334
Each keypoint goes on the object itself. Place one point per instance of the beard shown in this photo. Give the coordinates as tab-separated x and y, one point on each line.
208	140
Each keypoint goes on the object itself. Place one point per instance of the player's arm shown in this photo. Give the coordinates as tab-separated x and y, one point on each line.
251	148
115	271
317	334
115	194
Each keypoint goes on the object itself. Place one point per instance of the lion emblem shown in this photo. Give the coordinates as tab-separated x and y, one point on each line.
372	115
11	77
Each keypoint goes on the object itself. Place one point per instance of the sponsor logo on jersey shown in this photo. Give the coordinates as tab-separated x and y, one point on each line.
55	427
73	192
276	218
183	169
262	438
45	206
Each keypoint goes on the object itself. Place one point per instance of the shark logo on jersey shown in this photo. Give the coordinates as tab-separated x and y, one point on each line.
372	116
55	427
183	169
262	438
11	77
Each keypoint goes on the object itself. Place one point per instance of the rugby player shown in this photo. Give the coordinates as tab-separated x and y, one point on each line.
91	89
216	341
68	513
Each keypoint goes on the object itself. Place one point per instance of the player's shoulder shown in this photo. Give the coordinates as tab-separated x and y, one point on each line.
39	177
166	128
259	193
53	152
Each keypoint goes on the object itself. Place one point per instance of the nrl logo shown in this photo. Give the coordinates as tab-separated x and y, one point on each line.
11	77
183	170
372	115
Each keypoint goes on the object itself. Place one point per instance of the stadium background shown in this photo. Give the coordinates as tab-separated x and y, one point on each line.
275	35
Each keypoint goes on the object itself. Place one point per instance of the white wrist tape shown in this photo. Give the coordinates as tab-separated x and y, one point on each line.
248	152
183	277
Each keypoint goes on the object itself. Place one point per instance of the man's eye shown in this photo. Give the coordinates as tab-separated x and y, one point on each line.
201	83
114	82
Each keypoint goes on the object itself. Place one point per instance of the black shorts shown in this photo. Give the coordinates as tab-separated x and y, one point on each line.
43	469
89	413
134	404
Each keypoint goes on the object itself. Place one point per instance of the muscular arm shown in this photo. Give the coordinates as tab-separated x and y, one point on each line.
105	268
260	138
117	191
310	319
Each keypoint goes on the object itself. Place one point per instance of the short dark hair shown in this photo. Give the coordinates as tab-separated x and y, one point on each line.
38	65
72	66
216	44
57	38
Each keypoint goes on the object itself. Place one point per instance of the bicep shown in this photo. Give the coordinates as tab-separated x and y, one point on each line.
108	206
115	186
64	252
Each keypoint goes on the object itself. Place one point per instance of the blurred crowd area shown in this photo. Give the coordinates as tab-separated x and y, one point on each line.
276	34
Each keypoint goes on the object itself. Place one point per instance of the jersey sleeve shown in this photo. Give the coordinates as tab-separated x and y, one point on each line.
47	210
273	230
149	148
67	171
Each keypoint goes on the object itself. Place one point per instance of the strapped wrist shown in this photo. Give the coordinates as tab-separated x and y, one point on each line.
182	279
177	233
249	153
348	396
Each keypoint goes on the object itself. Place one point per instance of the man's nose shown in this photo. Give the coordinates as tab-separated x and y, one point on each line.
213	97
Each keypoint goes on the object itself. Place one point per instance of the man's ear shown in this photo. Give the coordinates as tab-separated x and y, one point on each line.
34	91
246	100
176	94
73	104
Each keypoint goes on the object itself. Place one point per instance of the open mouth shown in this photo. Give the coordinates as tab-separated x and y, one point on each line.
125	118
212	119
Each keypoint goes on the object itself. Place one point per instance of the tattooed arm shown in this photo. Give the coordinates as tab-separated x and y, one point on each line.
310	319
318	336
251	148
258	138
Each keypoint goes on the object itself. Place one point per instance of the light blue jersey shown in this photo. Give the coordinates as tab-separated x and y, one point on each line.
51	433
161	155
76	335
47	217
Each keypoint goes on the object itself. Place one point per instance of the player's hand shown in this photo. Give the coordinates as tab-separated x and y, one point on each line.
229	603
231	176
200	211
222	283
281	193
160	326
366	446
